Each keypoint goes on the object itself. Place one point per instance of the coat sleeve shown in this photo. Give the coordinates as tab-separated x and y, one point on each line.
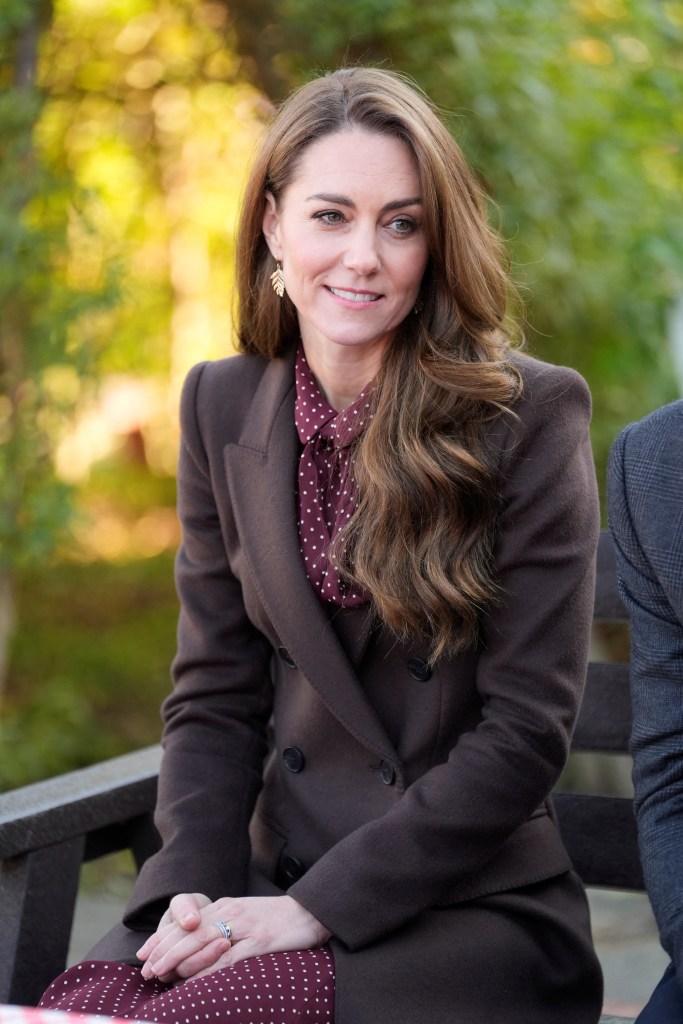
215	721
530	676
646	519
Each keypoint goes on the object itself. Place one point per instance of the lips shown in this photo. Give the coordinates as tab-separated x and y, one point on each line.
350	296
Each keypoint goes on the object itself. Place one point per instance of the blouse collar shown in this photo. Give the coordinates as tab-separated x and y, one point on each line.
313	414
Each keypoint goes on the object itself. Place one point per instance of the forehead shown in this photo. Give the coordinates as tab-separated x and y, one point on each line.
358	157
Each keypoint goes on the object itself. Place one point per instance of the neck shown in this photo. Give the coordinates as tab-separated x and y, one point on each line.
343	373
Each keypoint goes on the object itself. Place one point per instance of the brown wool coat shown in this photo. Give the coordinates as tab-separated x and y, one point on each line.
404	807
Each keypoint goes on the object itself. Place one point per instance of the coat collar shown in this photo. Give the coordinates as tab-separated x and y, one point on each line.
261	470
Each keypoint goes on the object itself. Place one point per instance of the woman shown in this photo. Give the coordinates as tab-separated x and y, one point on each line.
389	522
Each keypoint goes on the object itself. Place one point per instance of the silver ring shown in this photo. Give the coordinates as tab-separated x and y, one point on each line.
224	929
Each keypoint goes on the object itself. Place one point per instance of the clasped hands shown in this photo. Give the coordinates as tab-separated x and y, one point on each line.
188	944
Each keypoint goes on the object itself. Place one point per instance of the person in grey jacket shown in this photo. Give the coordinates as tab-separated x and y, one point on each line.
645	488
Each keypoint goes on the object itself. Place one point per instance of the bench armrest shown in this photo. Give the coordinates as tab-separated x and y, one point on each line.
47	830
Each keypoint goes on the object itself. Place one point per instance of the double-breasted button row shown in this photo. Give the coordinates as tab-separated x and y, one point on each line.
286	657
419	669
289	870
294	759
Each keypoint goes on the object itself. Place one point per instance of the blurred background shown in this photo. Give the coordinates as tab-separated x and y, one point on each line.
126	127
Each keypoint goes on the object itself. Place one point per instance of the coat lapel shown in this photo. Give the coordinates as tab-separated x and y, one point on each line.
261	471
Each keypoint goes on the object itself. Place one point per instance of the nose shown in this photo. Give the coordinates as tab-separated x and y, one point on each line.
362	252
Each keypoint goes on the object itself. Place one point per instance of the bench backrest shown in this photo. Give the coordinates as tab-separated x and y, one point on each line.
599	830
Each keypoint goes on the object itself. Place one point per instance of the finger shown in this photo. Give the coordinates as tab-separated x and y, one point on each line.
172	950
171	937
185	909
228	959
205	959
170	979
162	933
242	950
149	946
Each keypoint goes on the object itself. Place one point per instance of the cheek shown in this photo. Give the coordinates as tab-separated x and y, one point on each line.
412	270
307	260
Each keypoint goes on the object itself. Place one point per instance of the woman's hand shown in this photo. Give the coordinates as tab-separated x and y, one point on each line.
188	943
183	915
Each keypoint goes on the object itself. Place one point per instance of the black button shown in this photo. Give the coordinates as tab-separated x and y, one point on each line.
286	657
291	869
387	774
420	669
293	758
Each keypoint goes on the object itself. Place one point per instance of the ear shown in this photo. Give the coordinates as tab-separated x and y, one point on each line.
271	226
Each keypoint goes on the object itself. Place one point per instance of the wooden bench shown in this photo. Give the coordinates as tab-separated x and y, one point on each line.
47	830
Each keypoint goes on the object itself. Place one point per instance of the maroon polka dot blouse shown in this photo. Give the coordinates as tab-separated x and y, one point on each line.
326	491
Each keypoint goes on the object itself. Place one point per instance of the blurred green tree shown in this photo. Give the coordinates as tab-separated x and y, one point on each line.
123	130
123	145
45	347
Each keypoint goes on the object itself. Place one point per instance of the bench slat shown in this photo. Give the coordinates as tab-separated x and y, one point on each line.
601	839
608	604
604	723
79	802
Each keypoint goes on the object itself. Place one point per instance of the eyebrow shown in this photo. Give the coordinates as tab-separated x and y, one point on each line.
339	200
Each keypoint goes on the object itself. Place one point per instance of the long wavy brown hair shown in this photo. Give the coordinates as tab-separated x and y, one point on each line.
421	540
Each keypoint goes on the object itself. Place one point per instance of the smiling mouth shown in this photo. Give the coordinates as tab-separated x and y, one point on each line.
354	296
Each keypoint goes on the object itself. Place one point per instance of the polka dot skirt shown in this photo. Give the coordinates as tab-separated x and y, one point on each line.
279	988
327	494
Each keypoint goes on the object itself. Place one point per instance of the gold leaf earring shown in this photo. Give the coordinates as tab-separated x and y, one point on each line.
277	279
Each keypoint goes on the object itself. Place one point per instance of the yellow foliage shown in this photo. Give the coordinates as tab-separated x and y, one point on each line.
592	51
147	111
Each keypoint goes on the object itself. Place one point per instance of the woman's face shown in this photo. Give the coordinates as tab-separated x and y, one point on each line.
349	233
